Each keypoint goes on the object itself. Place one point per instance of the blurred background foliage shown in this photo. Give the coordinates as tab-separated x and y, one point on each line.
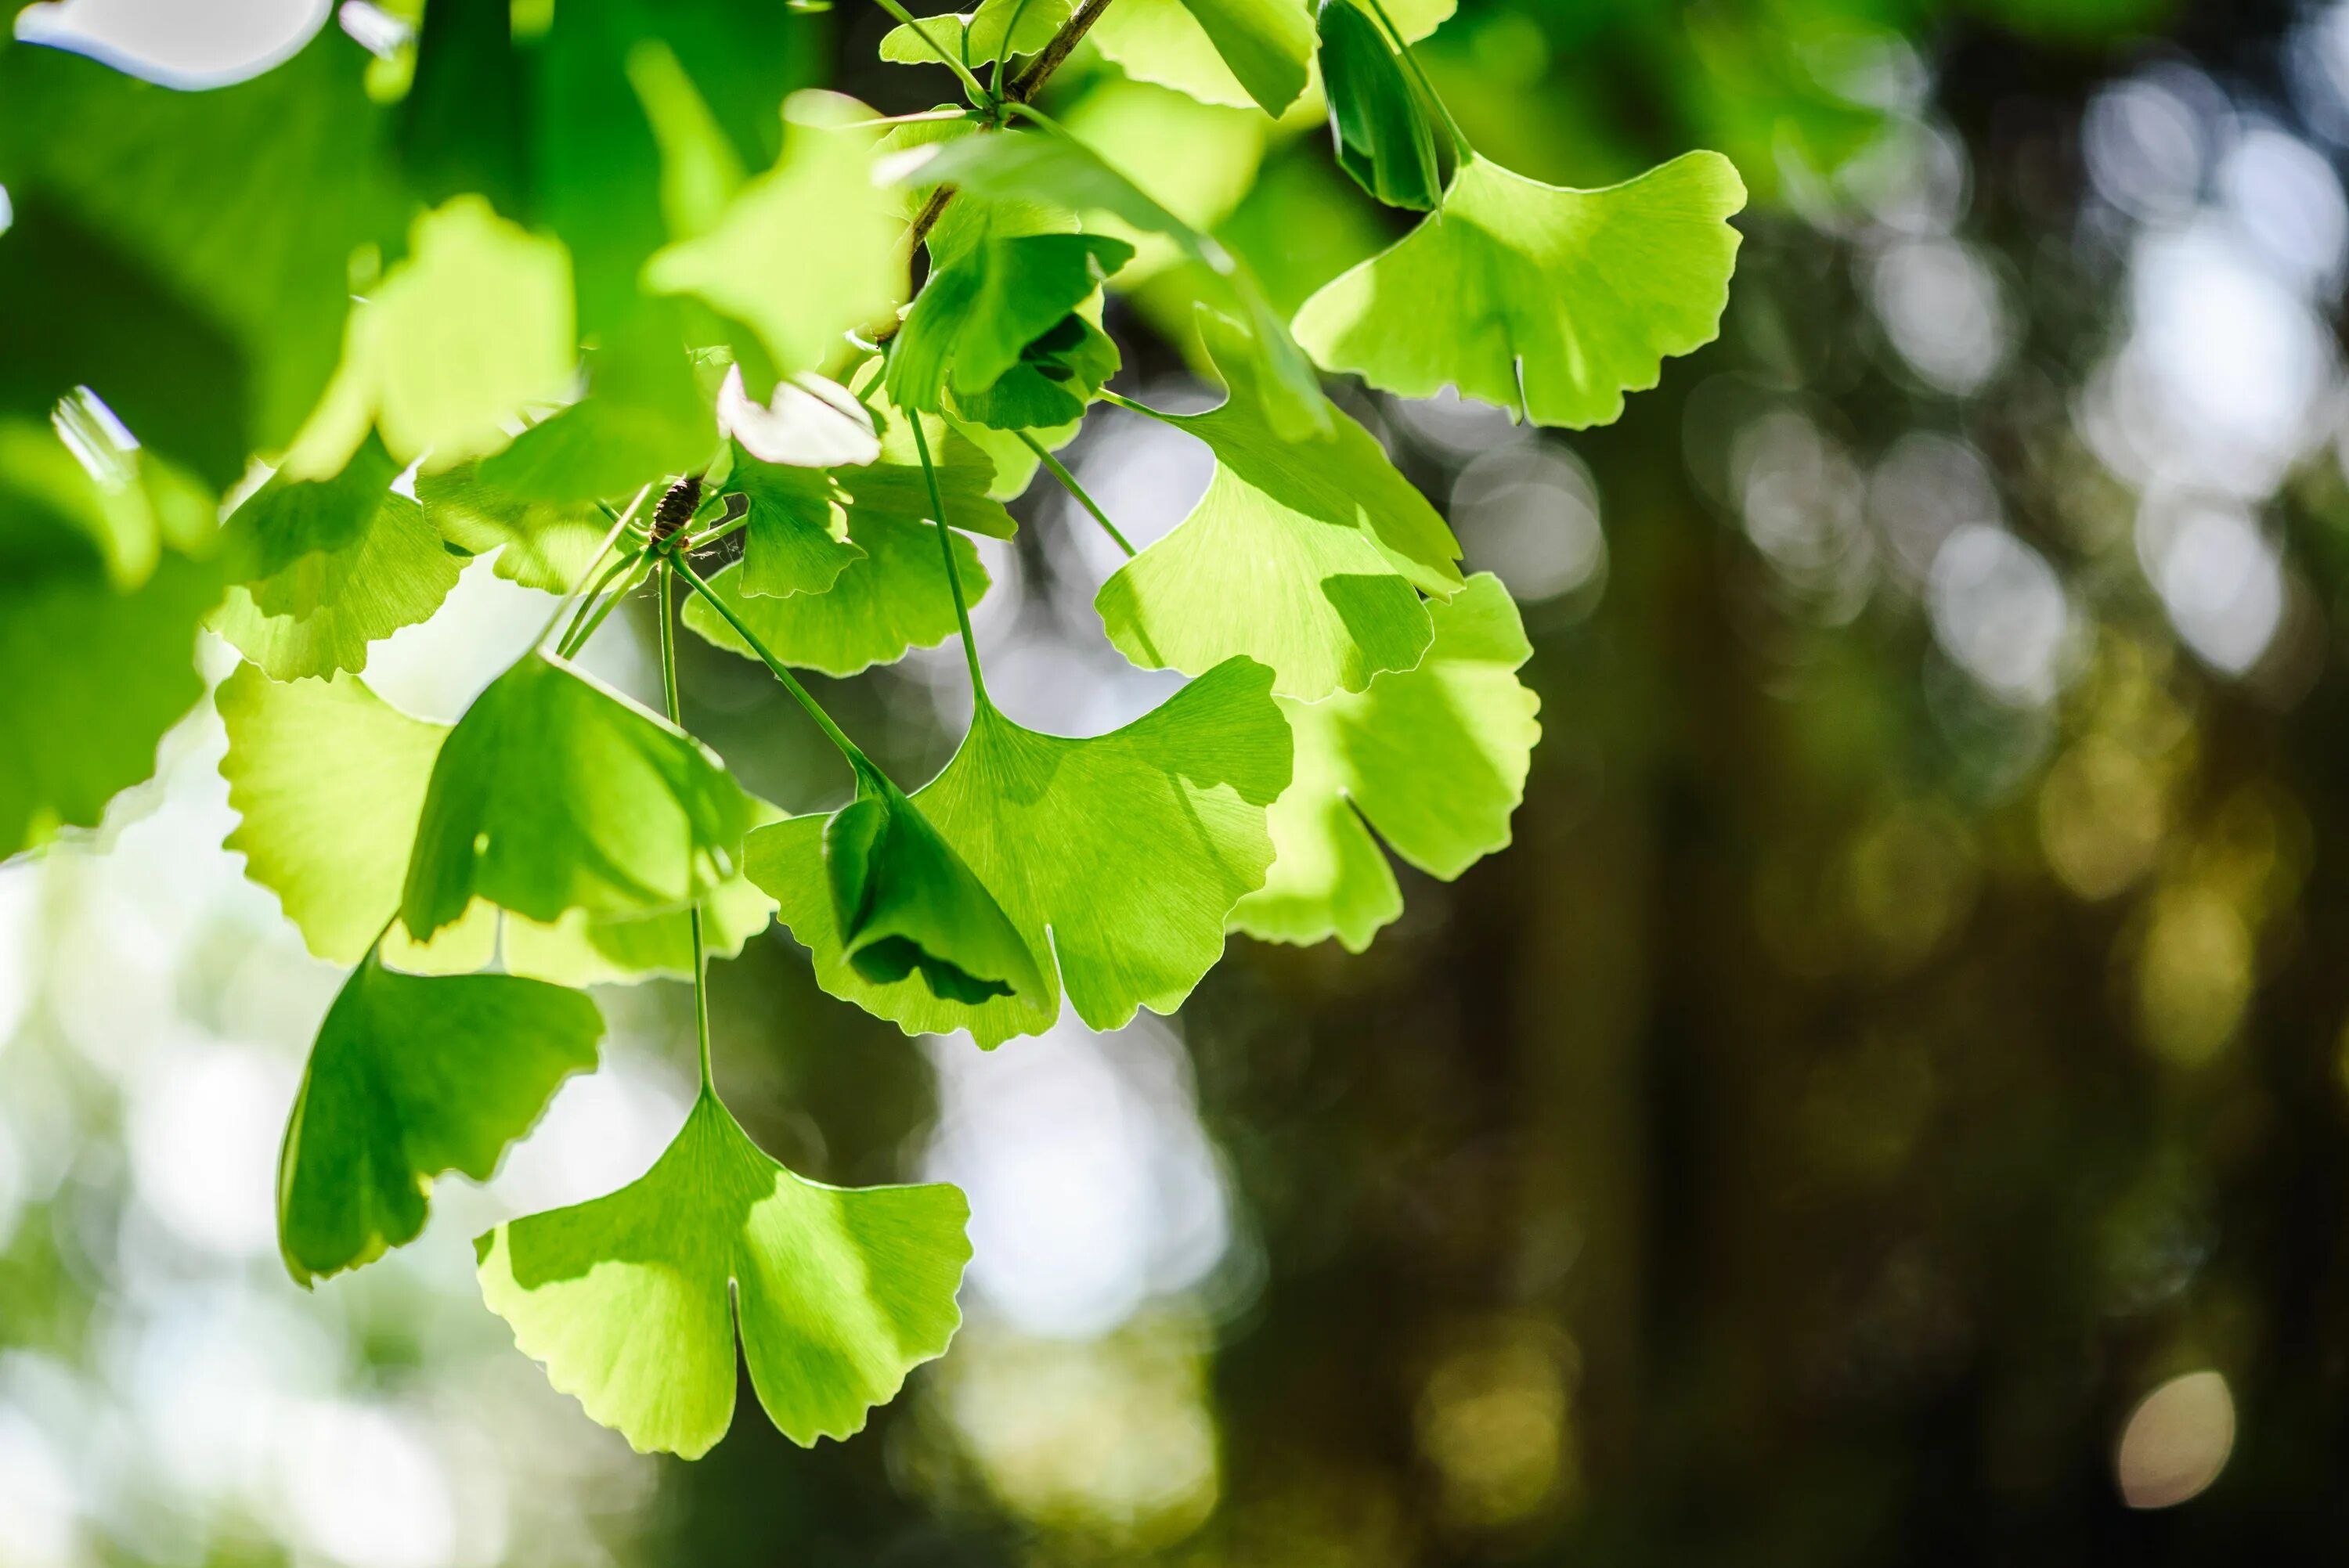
1888	1104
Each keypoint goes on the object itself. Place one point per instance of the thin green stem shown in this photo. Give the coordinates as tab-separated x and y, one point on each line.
575	641
1003	48
954	574
1459	136
700	947
704	540
1119	400
619	527
782	673
979	94
1069	482
571	632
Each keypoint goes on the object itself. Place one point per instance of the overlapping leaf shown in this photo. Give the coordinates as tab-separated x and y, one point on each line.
329	781
1306	555
412	1077
543	544
976	37
1384	142
1431	759
324	567
893	597
1233	52
999	329
1118	857
1547	302
645	416
633	1301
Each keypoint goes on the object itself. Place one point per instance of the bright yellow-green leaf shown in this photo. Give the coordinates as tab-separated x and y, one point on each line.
975	38
1230	52
893	598
1306	555
1547	302
1119	857
632	1301
807	251
1433	761
412	1077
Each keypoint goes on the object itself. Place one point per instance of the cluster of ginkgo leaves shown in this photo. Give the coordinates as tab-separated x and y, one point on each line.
586	290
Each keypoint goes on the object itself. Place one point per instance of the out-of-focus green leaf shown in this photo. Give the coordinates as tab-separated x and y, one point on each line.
805	252
321	568
188	254
546	545
699	169
554	793
411	1078
1120	857
893	598
645	418
1308	556
1384	142
1547	302
1433	759
838	1293
452	348
329	781
905	903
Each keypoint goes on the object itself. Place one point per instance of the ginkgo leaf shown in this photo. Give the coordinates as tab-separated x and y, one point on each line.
645	418
547	545
838	1292
808	250
807	422
458	342
1057	378
1308	556
555	793
977	37
411	1078
796	540
100	607
1119	857
905	903
1023	167
977	319
326	567
1550	303
328	780
1433	759
1384	142
1231	52
893	598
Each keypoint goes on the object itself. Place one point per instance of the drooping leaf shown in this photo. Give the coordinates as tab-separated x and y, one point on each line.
893	598
1055	381
979	318
807	422
457	343
323	567
1547	302
838	1293
1382	137
541	545
329	781
1120	857
1309	556
1431	759
905	903
554	793
102	589
1023	167
977	37
411	1078
805	252
1231	52
186	253
645	418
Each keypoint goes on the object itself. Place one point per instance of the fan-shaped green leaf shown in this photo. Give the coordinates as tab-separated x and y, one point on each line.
808	250
1433	758
542	544
1384	142
328	780
410	1078
977	37
1309	556
1119	856
555	793
324	567
645	418
978	319
1230	52
838	1293
796	541
1547	302
893	598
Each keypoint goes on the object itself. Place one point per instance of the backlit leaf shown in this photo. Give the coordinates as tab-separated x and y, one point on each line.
1547	302
541	545
1309	556
977	37
893	598
1230	52
1431	759
838	1293
645	418
977	318
1119	857
1384	142
411	1078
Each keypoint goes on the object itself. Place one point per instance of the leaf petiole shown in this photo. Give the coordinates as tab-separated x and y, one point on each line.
1459	137
620	526
675	717
979	94
578	637
782	673
1069	482
954	574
